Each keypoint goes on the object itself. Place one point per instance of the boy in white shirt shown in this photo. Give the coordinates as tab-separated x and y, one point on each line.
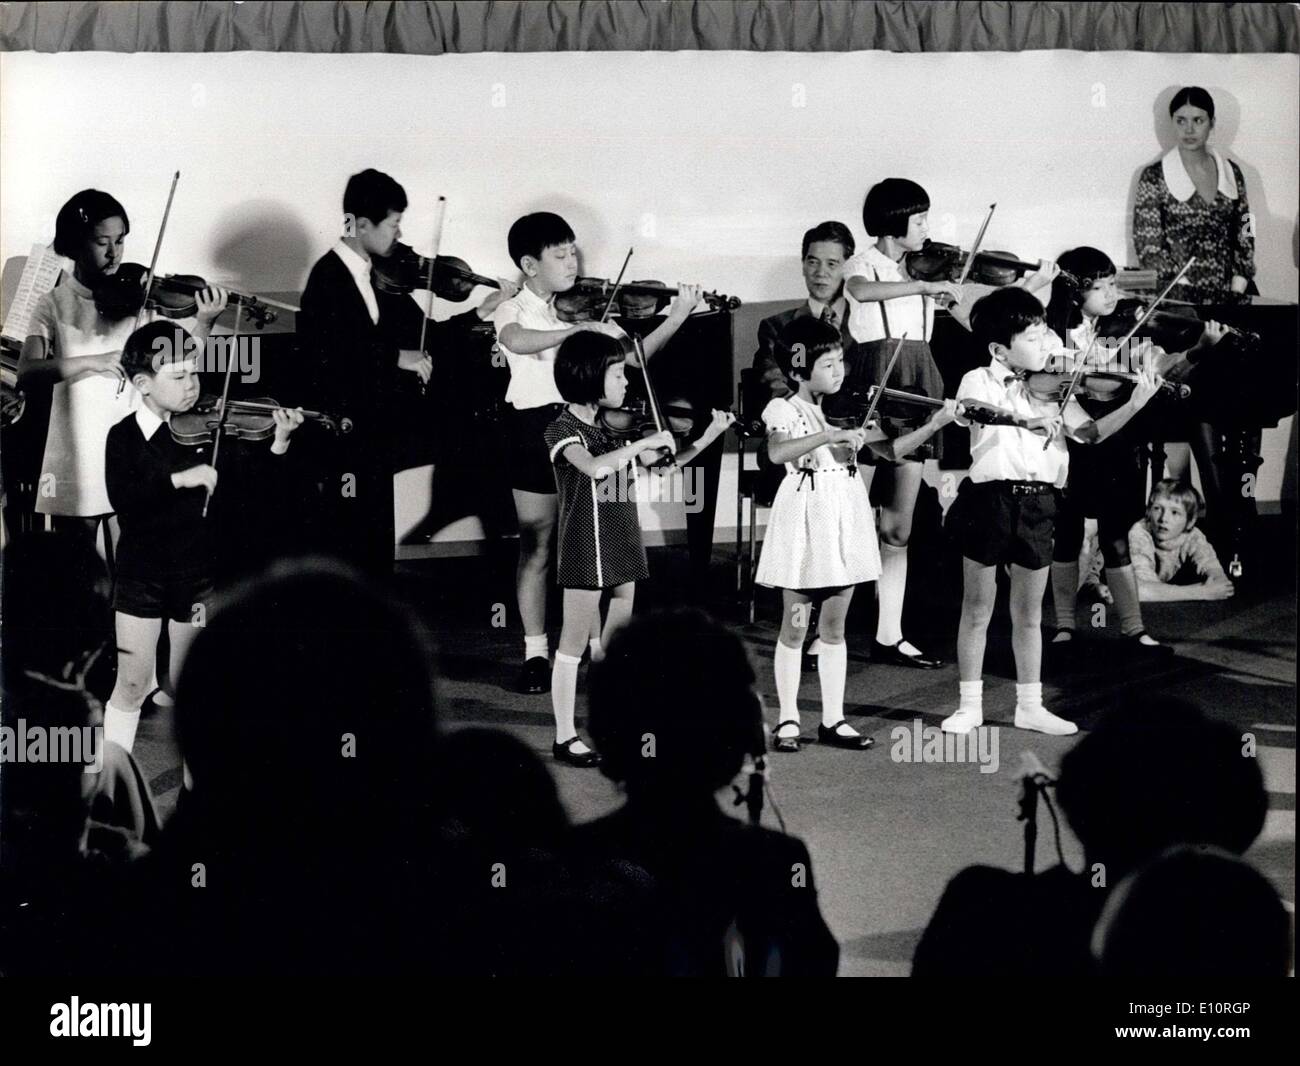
1005	511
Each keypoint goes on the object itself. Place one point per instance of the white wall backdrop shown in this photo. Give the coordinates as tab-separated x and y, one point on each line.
712	164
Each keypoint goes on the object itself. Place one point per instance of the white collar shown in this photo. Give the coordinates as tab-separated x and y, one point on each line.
816	307
147	421
528	296
1180	184
357	266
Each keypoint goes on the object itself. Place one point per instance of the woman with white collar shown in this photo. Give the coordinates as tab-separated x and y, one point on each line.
1193	203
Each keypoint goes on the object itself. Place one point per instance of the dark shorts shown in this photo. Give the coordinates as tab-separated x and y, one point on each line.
997	522
161	597
530	466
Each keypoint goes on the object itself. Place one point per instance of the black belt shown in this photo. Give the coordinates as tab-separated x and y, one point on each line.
1026	488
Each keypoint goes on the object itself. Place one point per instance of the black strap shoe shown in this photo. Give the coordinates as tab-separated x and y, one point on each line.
789	743
891	655
534	676
853	741
564	753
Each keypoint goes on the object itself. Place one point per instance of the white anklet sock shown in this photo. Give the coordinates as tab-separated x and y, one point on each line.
564	694
536	647
832	669
120	725
970	709
891	588
1029	697
787	664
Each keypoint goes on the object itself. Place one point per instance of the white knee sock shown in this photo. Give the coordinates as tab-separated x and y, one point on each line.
536	647
120	725
1065	593
890	590
787	664
564	694
832	669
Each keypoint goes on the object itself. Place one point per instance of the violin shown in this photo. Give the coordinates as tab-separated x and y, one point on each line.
1094	384
404	271
1174	327
597	291
250	420
121	295
985	414
945	262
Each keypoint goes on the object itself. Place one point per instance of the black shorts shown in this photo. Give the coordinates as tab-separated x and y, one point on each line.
997	522
162	597
530	465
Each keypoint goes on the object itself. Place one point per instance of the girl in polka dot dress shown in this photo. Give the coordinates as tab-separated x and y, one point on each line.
599	542
821	535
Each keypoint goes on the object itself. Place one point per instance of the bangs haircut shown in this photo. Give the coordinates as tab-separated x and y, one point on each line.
373	194
77	219
533	234
1086	266
802	343
580	366
1183	492
890	203
1003	314
837	232
156	345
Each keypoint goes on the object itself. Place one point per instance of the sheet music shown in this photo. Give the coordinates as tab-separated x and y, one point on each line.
39	276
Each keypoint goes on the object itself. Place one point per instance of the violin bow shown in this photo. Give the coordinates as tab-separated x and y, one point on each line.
153	263
880	390
613	294
1081	366
225	395
439	215
974	248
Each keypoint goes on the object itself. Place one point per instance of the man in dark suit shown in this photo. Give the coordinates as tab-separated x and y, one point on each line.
826	247
352	367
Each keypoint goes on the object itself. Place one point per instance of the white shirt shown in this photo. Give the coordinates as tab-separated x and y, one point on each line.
913	315
359	268
1008	453
147	421
532	377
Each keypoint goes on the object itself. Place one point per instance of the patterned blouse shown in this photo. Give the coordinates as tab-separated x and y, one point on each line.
1172	221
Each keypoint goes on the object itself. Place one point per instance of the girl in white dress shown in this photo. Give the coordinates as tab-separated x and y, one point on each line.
821	534
78	350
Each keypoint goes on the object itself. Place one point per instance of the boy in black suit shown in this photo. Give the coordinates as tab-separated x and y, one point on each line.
353	368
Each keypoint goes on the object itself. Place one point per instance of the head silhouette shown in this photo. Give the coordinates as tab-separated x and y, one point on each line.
1156	774
672	707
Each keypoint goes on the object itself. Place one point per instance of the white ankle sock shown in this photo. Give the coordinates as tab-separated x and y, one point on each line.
597	649
787	664
1123	584
536	647
891	588
832	669
971	695
1029	697
564	694
120	725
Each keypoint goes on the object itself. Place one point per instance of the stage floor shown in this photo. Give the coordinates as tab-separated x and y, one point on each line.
886	835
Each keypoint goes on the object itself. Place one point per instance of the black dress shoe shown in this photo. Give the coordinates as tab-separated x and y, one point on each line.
892	656
836	739
1153	651
535	676
790	743
564	753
